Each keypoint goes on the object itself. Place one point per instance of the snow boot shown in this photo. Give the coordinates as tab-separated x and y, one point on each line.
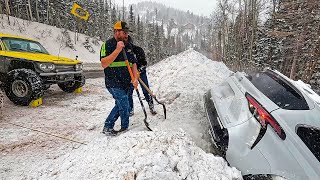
109	132
122	130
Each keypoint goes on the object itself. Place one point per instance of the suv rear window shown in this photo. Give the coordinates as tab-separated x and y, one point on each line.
278	91
311	138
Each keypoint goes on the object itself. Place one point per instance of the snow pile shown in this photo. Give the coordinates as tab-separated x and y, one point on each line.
189	71
51	38
141	155
181	81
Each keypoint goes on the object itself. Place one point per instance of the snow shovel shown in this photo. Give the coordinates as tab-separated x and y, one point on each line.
137	91
154	97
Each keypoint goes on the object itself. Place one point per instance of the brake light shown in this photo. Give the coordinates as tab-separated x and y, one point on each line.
263	116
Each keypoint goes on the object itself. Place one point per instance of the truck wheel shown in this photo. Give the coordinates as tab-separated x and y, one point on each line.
71	86
22	86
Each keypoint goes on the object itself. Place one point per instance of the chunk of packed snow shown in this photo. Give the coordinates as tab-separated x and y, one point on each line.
144	155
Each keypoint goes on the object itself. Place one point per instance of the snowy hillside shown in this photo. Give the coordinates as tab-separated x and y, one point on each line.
168	152
52	38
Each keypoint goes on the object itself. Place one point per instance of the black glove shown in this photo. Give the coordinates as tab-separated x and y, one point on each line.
142	68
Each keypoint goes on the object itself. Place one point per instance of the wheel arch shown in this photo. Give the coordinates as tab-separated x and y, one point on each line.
21	64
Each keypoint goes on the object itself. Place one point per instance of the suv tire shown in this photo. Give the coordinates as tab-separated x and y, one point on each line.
22	86
71	86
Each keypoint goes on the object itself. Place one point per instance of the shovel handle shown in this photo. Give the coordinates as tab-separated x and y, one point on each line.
146	87
128	65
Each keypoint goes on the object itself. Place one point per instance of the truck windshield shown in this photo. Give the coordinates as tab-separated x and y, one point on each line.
23	45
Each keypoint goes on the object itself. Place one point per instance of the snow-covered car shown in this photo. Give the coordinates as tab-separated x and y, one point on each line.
266	125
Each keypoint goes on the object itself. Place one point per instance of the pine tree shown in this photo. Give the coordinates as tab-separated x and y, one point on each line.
290	40
113	15
132	24
150	44
140	33
157	44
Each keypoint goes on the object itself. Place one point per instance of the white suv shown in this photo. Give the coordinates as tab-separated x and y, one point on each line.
266	125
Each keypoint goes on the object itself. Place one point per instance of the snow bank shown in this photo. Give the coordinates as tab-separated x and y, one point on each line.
189	71
141	155
181	81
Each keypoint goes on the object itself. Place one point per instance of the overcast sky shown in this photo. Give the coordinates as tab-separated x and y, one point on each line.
200	7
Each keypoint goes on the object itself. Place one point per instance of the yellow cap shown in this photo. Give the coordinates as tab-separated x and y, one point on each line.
120	25
117	25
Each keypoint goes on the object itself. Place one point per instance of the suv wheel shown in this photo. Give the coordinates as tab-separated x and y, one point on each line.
22	86
71	86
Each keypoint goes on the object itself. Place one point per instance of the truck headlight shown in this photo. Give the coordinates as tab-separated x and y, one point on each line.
47	67
79	67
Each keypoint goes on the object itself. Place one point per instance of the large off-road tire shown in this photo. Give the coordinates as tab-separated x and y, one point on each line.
22	86
71	86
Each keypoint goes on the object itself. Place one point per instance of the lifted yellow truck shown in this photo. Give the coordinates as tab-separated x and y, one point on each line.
27	69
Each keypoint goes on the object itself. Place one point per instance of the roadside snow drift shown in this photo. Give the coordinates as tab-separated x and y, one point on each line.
181	81
168	152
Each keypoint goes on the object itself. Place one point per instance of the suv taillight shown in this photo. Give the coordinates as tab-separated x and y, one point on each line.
263	116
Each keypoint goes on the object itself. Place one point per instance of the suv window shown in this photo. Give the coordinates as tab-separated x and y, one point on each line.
278	91
15	44
311	138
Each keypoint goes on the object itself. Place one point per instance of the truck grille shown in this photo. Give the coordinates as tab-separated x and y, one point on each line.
65	68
